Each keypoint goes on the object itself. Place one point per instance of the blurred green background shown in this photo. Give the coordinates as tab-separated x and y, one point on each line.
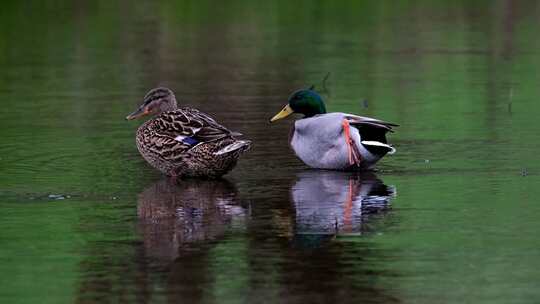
460	78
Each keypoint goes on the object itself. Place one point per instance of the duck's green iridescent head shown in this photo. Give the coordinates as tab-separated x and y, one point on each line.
307	102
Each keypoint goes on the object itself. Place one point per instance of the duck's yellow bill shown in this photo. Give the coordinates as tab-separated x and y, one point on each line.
283	113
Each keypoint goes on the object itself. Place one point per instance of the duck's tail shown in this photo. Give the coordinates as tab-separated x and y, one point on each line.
379	145
237	145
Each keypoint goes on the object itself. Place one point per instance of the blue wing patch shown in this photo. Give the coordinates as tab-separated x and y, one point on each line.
186	140
190	141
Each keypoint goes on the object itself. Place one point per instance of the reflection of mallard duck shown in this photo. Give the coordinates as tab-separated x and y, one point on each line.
327	141
329	202
184	141
172	214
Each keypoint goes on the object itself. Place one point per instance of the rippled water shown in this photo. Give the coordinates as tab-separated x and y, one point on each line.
452	217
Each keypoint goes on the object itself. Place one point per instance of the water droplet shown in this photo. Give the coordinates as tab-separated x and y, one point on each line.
56	196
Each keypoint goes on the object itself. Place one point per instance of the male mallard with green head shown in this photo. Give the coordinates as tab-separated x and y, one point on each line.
338	141
184	142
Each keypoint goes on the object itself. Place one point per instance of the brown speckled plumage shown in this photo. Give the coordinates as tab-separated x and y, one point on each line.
186	142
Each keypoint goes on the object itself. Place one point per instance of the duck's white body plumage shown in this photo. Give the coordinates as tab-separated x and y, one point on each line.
319	141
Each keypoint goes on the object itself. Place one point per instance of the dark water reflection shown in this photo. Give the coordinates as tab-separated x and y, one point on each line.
174	214
328	202
198	235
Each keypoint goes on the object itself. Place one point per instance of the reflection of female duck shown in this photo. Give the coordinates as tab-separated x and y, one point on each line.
173	214
328	202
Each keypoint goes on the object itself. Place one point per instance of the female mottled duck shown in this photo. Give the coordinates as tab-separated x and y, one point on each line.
338	141
184	142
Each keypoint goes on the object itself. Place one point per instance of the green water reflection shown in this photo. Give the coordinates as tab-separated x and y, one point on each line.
461	79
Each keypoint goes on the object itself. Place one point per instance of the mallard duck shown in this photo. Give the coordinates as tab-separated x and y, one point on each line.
338	141
184	142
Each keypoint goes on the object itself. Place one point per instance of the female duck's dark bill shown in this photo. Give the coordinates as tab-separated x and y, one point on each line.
286	111
138	113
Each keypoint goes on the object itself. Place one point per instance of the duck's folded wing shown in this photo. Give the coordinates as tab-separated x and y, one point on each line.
368	122
373	133
167	146
189	126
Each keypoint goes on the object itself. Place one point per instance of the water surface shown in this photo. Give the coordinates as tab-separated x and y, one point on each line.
452	217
